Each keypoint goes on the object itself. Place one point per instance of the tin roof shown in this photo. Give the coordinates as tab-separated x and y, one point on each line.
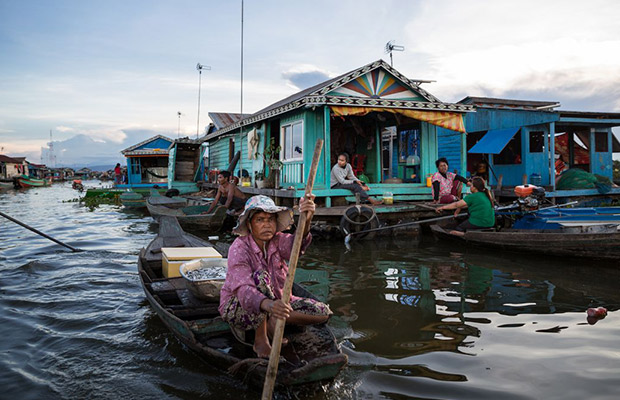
135	149
11	160
512	104
221	119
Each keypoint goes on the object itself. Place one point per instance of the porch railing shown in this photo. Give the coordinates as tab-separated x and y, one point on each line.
292	172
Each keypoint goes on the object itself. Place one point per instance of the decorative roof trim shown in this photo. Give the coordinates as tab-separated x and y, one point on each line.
412	84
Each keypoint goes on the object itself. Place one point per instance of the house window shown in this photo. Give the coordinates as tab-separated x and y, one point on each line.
537	141
292	141
511	154
600	142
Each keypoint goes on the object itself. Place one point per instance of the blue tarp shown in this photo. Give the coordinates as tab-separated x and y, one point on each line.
494	141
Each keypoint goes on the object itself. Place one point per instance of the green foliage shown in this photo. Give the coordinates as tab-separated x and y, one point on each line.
616	168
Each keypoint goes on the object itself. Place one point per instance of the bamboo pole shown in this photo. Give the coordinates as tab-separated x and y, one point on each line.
274	357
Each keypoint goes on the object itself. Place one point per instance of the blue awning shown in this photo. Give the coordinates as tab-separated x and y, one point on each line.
494	141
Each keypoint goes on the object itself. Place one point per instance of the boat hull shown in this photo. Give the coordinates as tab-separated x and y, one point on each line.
192	217
595	242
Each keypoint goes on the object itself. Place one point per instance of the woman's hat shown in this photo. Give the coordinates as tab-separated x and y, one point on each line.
265	204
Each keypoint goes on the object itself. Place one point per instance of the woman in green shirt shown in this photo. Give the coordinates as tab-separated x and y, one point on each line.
480	206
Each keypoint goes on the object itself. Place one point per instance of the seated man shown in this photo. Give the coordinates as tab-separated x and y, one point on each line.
342	177
447	186
257	269
228	194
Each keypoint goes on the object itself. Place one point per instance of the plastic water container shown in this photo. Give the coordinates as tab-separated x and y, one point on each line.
388	198
429	181
536	179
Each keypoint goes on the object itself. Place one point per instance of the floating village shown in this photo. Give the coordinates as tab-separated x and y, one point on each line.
549	174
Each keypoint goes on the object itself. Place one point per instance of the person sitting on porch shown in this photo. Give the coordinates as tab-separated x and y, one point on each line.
251	298
447	186
342	177
228	194
480	206
560	165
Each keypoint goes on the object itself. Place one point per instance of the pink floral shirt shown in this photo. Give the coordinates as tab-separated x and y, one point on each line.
245	258
445	185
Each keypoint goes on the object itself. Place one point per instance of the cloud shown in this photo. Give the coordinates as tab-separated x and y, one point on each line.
305	76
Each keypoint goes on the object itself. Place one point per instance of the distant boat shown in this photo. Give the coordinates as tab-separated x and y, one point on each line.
26	181
6	185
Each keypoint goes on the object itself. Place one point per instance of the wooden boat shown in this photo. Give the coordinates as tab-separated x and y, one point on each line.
596	242
6	185
26	181
132	200
312	354
171	202
191	217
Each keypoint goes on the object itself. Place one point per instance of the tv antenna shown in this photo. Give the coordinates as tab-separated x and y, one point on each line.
200	67
179	127
390	47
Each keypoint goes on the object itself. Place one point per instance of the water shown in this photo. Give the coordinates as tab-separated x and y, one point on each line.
427	322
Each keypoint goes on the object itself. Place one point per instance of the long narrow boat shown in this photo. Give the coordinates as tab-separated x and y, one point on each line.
557	218
26	181
171	202
312	354
6	185
191	217
595	242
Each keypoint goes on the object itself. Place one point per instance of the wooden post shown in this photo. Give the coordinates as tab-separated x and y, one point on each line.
274	357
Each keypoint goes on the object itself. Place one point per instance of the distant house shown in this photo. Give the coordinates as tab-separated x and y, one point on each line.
385	121
147	163
11	167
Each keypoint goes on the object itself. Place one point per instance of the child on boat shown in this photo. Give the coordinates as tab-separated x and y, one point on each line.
257	270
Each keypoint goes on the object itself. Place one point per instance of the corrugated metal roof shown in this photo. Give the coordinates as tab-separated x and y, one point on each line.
8	159
129	150
509	103
220	119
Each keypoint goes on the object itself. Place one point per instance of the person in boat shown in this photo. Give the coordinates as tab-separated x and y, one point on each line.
447	186
117	173
480	206
228	194
251	296
342	177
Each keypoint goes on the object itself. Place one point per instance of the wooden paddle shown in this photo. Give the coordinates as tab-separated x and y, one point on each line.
38	232
274	357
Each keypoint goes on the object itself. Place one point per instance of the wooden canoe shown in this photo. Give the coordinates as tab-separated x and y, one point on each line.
132	200
595	242
193	218
312	354
171	202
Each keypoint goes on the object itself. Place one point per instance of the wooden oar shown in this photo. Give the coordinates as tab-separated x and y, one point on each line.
38	232
347	238
274	357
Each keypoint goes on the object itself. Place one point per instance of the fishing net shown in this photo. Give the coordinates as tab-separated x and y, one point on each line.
579	179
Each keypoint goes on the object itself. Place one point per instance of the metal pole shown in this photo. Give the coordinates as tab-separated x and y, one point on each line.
199	84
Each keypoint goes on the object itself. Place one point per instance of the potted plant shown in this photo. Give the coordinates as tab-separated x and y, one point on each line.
272	161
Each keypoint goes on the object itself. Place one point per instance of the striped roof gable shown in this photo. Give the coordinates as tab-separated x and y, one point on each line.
339	91
137	147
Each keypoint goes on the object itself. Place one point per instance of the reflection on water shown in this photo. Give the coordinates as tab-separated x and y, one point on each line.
417	321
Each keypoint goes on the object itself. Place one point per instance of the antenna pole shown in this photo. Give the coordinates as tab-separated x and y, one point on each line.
200	67
391	59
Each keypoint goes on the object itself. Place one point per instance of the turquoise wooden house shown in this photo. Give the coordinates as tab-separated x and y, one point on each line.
147	163
386	122
520	139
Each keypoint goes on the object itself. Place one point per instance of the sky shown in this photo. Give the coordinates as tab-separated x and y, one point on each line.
103	76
